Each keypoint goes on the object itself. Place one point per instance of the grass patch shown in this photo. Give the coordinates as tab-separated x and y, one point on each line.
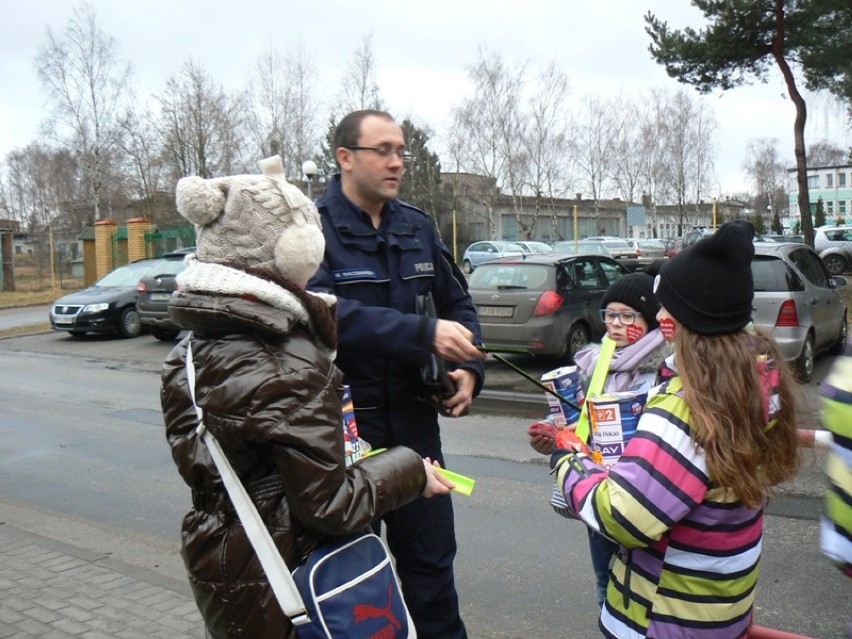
25	330
16	299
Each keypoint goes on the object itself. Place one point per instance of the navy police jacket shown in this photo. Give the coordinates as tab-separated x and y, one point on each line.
376	275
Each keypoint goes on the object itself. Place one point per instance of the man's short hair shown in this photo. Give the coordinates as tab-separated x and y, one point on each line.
348	131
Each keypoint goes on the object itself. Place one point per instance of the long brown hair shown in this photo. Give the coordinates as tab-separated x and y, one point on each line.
723	391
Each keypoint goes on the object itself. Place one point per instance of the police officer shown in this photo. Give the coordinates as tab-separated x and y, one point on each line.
381	254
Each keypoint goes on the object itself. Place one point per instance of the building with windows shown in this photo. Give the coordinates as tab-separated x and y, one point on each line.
832	184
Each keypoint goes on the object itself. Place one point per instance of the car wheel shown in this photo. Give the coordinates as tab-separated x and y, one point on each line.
835	264
129	324
805	361
840	345
467	267
578	339
165	334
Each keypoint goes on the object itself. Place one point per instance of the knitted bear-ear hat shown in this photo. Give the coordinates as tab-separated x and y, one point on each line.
254	221
708	287
636	290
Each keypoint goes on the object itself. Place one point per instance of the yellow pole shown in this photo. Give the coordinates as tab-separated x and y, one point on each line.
714	213
52	267
576	227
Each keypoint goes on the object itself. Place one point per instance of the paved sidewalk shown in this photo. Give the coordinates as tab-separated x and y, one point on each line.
54	590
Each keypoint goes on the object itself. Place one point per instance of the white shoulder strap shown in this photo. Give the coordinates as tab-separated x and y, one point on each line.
273	564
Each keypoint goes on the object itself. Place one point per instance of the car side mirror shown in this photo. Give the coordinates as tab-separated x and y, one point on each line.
838	281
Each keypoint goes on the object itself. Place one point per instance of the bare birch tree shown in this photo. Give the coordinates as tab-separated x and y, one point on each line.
626	156
766	172
546	144
359	86
200	125
88	82
285	106
650	153
593	144
144	162
486	132
687	162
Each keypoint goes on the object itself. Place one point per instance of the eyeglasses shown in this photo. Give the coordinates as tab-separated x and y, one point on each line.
385	151
625	317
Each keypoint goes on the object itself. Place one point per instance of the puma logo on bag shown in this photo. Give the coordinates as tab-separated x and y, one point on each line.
363	612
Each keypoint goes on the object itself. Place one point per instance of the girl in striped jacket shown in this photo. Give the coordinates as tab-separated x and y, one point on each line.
685	501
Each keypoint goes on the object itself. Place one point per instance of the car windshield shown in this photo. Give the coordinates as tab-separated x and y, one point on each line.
167	268
495	277
129	274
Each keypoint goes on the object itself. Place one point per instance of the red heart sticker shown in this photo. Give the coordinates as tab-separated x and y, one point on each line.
668	328
634	333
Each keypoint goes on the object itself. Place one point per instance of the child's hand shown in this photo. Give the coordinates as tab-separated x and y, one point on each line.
542	437
436	484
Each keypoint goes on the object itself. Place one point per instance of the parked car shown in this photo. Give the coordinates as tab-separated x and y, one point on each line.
649	250
530	247
781	238
694	235
673	245
479	252
155	290
797	302
545	305
580	247
834	245
109	305
616	248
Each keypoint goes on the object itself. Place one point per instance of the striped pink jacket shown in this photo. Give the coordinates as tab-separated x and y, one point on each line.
689	555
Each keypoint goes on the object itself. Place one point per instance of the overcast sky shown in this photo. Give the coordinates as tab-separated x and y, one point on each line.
421	48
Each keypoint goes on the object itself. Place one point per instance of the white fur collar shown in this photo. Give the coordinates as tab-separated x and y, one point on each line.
224	280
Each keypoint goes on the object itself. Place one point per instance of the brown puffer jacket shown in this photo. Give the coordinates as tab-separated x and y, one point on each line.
271	396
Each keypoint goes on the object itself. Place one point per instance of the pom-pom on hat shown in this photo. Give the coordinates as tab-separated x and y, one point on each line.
636	290
708	287
259	221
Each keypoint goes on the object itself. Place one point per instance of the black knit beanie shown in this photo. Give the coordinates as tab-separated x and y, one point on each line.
708	287
637	291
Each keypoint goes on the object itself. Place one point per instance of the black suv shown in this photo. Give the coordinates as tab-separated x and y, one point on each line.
109	305
155	290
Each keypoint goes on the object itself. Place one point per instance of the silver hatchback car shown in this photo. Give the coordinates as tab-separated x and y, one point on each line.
544	305
797	302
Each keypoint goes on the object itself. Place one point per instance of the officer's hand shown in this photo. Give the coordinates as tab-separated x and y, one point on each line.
454	343
464	382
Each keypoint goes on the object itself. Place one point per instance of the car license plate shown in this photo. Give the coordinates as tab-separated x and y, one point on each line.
63	319
496	311
160	297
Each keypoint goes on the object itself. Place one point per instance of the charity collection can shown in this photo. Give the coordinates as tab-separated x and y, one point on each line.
565	382
614	417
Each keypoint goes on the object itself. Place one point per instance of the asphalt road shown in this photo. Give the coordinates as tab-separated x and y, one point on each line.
83	455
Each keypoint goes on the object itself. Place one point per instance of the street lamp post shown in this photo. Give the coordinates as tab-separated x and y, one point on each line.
309	168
